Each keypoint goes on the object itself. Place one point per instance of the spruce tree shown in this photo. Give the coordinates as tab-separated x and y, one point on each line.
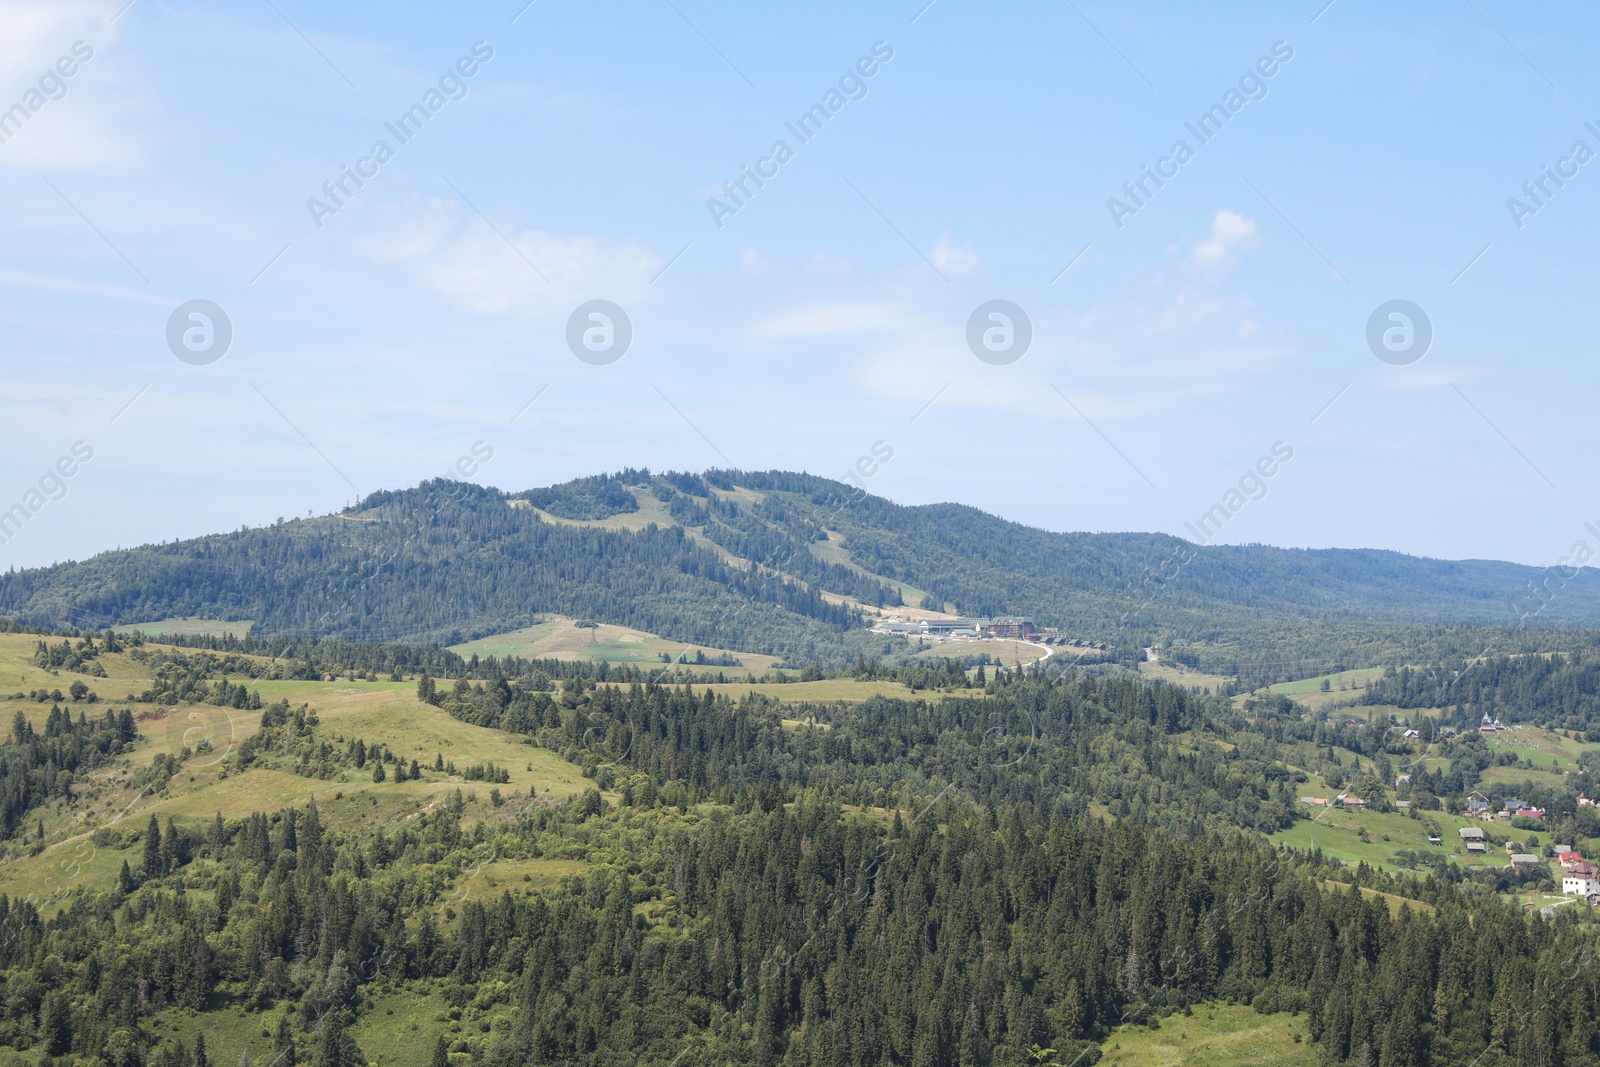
152	850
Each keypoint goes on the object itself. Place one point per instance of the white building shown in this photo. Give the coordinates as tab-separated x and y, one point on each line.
1577	885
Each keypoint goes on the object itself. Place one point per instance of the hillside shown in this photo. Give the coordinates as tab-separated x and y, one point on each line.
246	865
785	565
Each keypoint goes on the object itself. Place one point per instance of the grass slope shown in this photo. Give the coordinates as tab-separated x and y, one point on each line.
1217	1035
374	711
557	638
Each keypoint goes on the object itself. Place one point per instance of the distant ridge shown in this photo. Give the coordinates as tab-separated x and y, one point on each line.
671	553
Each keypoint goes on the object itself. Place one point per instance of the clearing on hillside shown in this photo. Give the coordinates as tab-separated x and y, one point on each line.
559	637
1217	1035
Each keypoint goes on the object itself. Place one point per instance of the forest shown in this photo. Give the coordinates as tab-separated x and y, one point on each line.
1556	690
769	932
1009	868
764	561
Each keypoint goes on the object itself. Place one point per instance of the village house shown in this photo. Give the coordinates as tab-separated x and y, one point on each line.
1573	885
1470	833
1523	859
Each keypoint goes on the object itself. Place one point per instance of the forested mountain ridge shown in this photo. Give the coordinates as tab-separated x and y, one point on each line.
450	560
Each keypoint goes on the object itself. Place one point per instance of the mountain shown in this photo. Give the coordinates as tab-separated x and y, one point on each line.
787	564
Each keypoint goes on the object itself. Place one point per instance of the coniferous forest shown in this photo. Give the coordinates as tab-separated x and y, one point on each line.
1042	864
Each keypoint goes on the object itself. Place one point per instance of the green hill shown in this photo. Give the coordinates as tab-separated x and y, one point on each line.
787	564
1050	867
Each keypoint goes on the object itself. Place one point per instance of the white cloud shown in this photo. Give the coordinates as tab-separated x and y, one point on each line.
750	262
823	263
67	122
1424	375
839	318
88	288
1230	233
1162	345
952	260
446	247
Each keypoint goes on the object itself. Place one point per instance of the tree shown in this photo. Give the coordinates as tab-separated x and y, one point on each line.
200	1059
152	850
441	1053
55	1024
336	1048
283	1043
378	773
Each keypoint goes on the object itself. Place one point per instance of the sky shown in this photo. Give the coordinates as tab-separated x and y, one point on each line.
1161	342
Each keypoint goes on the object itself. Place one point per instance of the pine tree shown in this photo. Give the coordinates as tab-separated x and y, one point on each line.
378	774
283	1043
219	836
55	1024
152	850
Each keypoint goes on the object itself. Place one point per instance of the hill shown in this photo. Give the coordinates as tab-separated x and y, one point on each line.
790	565
1041	867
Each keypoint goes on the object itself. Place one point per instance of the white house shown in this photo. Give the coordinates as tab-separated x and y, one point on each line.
1573	885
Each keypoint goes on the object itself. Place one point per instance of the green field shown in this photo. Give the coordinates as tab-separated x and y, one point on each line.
1545	749
188	627
558	638
1337	833
1343	687
1173	673
1217	1035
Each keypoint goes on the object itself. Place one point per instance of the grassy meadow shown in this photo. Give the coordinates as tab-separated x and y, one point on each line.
1216	1035
372	711
558	638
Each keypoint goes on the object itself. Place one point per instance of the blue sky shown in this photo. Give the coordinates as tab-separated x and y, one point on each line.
829	312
